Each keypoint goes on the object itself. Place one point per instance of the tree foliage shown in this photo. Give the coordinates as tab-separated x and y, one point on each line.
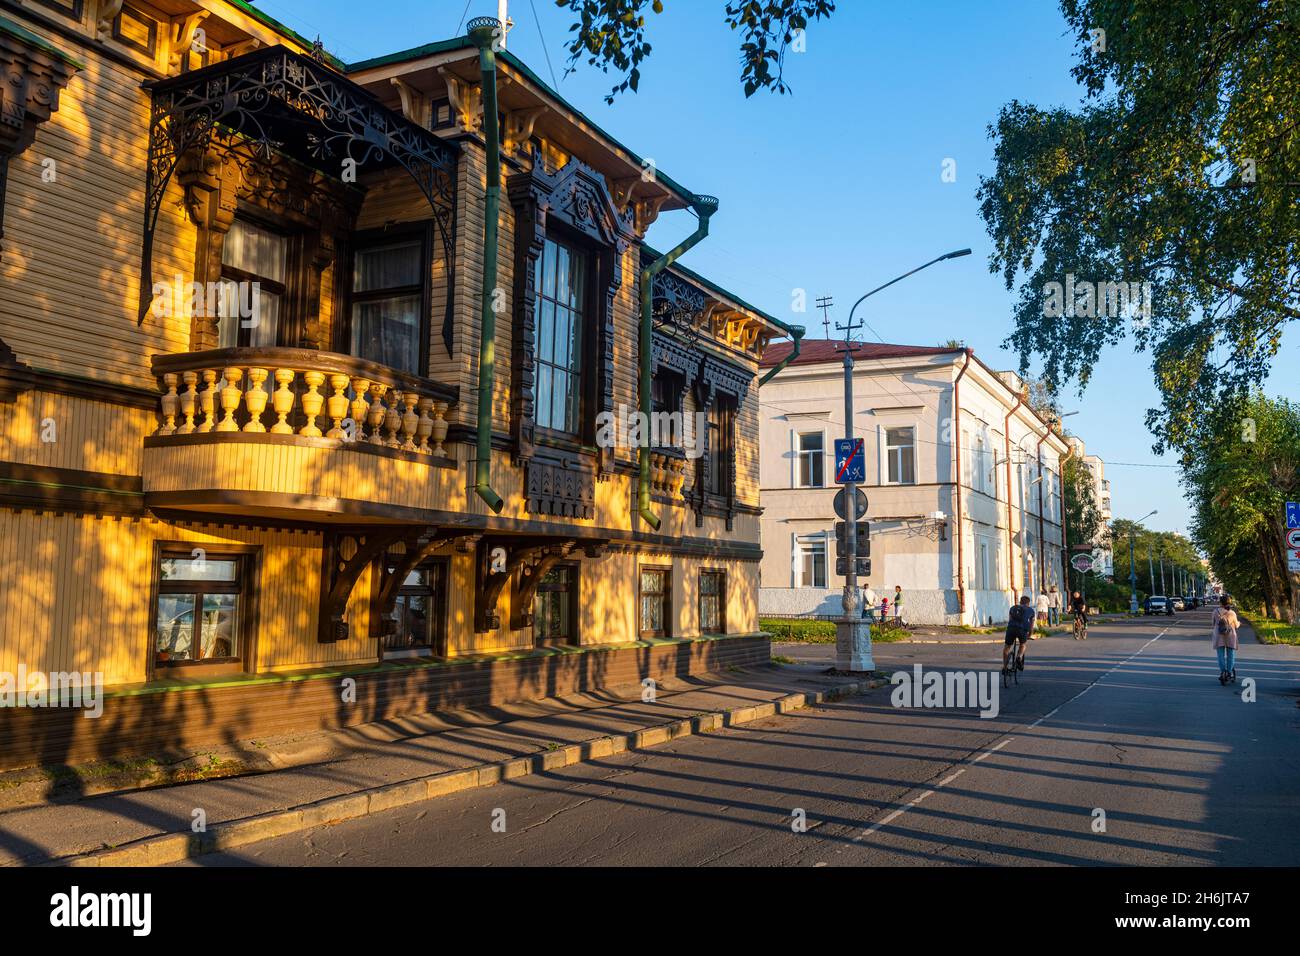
1238	484
612	35
1181	169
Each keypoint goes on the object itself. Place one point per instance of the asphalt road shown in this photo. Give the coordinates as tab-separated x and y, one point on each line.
1130	728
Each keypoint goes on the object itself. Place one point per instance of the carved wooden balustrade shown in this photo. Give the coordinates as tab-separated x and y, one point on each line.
667	471
281	392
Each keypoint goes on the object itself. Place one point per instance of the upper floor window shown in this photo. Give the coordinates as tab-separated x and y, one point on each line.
900	453
562	273
387	303
722	441
254	266
812	460
666	400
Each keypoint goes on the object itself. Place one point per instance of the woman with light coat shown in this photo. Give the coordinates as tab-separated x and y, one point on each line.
1223	631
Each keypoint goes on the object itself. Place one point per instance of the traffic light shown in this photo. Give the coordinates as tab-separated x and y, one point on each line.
863	539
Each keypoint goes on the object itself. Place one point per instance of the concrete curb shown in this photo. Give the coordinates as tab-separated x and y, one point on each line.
176	847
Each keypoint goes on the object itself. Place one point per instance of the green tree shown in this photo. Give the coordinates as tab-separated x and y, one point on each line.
1239	482
1083	524
1181	169
612	35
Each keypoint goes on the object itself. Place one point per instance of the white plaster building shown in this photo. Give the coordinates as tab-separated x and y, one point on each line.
910	403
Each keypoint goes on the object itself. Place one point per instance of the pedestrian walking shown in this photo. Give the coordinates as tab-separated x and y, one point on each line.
868	602
1043	605
898	602
1054	607
1223	627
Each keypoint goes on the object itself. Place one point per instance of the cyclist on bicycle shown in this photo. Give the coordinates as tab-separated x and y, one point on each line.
1020	625
1079	608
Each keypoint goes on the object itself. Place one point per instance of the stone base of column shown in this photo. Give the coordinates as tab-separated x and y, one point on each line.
853	645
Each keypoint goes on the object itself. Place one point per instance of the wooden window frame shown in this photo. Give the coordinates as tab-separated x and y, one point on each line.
72	9
721	598
666	597
585	419
719	463
439	612
149	49
291	320
249	575
574	597
364	239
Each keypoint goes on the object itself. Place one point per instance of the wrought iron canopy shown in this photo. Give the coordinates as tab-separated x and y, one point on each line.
281	101
677	306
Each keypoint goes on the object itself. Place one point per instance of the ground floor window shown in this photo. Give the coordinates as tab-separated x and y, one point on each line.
198	617
656	598
810	562
419	610
713	602
555	619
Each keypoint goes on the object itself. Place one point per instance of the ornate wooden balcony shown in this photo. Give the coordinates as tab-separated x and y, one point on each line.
286	430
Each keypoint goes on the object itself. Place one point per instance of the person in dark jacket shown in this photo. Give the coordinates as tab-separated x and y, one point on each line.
1020	625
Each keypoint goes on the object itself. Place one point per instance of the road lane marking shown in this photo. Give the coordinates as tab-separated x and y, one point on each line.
989	751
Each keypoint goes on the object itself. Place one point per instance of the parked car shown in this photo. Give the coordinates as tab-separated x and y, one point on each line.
1178	603
1158	604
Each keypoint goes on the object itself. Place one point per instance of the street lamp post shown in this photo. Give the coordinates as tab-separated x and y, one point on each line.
852	633
1132	572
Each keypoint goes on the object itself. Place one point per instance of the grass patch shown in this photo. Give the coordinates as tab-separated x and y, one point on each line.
1276	632
809	632
888	635
782	659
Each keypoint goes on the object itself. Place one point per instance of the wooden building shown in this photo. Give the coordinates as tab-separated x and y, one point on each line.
243	289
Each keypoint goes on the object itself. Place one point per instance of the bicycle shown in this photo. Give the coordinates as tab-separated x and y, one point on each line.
1012	673
1080	628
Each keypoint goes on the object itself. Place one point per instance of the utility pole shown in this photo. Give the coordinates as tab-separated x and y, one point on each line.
1151	568
1162	571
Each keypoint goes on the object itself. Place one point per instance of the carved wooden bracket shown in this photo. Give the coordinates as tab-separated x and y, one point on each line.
108	11
346	555
529	577
389	582
647	211
466	100
415	104
519	128
186	29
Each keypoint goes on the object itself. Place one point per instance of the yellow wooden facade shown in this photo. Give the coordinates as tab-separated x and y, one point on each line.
102	459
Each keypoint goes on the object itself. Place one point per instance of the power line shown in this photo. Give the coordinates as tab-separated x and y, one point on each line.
555	84
464	13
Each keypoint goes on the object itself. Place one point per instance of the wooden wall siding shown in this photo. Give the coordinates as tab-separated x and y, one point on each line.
89	435
147	723
69	278
75	594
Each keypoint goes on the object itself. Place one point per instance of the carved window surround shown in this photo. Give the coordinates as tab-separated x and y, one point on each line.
575	201
32	74
708	376
230	175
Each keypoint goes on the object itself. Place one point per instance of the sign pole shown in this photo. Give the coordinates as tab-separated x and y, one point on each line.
853	633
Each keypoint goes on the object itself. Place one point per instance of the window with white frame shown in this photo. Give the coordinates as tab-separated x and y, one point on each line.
810	562
981	456
812	460
900	455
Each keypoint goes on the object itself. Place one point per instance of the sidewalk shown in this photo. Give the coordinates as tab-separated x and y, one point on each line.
351	773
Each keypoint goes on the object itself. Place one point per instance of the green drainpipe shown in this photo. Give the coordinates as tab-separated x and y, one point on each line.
484	32
796	336
705	206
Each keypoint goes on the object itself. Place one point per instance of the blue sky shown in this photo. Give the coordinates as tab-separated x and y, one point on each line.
836	188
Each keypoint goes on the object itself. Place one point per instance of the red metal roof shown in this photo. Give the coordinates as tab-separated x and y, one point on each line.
818	351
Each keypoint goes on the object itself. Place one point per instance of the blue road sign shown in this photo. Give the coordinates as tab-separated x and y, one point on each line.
1292	509
850	460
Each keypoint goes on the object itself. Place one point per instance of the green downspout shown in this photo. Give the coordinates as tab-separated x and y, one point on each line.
796	335
484	32
705	206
